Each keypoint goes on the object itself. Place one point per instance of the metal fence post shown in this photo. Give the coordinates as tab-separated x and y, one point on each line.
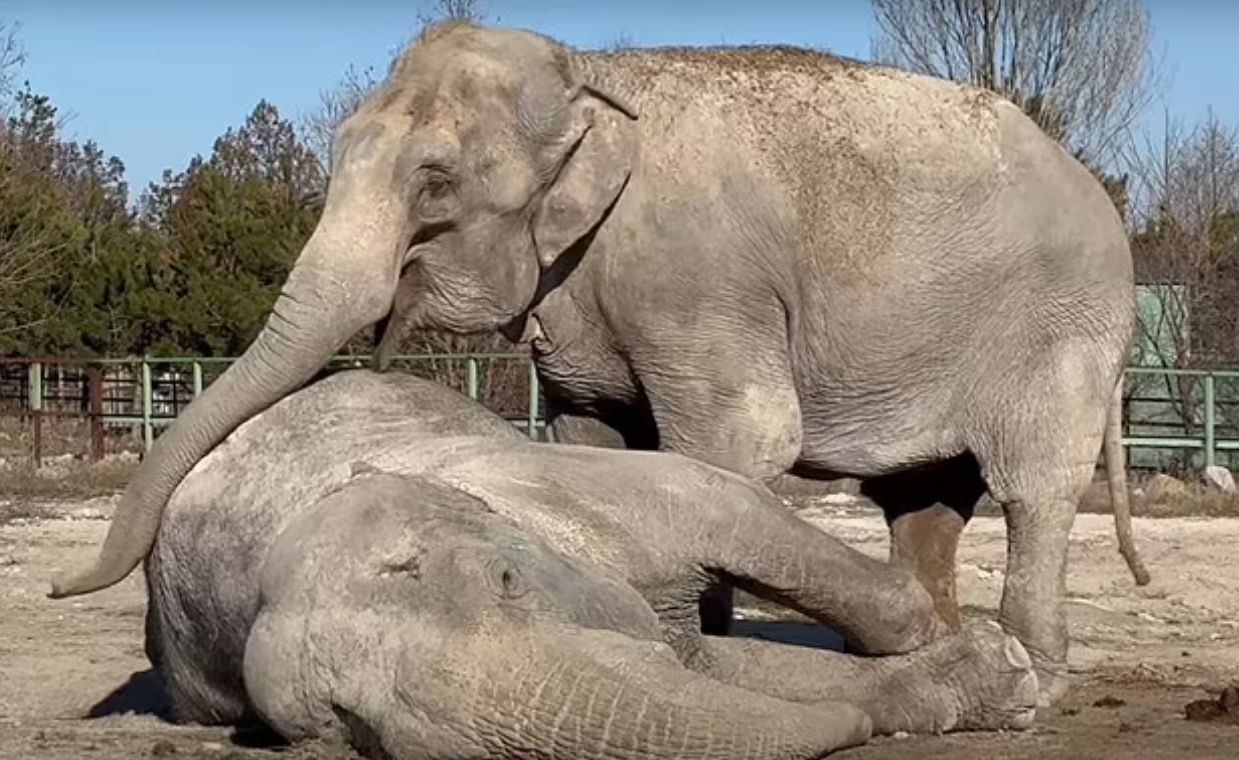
98	439
148	435
35	399
197	371
34	389
531	418
471	377
1210	421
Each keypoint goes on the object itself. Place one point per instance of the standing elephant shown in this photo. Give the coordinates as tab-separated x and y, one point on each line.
378	560
766	258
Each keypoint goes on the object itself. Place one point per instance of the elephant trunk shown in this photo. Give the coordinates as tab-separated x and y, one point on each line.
589	694
319	310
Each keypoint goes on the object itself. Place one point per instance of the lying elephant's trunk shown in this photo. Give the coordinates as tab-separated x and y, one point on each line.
322	306
598	694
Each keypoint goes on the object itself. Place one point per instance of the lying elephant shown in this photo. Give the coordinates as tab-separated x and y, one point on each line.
380	561
768	259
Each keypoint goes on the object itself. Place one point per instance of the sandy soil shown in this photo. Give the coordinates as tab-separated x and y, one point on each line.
74	681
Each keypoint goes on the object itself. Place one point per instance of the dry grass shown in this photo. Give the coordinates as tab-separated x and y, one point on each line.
75	479
1194	500
60	436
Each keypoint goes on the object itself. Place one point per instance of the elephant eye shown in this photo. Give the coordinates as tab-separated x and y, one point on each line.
436	197
435	187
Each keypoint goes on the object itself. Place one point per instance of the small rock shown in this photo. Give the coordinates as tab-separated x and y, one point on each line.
212	747
1162	485
163	748
1109	702
1068	711
1126	728
86	513
899	735
1220	478
7	560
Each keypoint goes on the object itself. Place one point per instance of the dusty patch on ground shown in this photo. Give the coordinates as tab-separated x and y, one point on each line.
1139	655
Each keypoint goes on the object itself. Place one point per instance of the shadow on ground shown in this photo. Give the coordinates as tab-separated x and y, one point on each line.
142	694
789	632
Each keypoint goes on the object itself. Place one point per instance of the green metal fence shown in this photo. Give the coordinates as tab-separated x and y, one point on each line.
1189	414
1192	411
146	410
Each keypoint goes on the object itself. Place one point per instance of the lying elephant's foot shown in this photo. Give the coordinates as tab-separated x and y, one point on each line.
978	680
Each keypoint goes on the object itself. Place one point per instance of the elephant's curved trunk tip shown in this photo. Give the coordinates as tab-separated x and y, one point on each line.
305	328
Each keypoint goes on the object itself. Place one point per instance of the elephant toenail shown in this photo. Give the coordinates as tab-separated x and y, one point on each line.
1017	655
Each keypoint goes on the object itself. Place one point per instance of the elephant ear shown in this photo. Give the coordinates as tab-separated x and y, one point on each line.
594	158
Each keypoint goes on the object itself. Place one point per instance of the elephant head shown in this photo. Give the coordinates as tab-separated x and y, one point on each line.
399	615
481	159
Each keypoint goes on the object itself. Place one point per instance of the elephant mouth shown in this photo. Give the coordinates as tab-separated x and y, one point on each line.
389	331
535	333
385	341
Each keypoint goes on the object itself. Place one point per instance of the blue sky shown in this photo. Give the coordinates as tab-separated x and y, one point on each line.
155	82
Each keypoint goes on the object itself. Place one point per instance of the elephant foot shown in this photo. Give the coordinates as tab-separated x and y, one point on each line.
901	628
978	680
1052	681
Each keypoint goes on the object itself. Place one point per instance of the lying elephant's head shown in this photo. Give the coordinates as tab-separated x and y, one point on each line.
480	161
403	617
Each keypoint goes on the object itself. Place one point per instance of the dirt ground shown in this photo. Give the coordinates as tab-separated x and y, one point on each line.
74	681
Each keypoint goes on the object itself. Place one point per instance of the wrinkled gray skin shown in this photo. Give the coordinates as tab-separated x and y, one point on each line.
386	563
764	258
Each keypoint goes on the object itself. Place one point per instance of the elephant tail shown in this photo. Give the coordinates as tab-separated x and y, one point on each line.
1116	479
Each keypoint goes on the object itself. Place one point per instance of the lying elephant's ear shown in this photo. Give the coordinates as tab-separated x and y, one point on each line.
594	161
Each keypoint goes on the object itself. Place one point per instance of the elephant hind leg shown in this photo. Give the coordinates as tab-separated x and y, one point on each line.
1037	456
926	510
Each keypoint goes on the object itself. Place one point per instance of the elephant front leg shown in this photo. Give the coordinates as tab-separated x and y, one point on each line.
742	418
926	510
577	429
747	537
980	679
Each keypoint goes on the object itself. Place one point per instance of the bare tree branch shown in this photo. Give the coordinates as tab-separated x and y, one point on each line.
1185	218
336	104
1080	68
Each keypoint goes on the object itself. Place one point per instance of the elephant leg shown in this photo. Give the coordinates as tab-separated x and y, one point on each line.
978	679
1038	474
716	606
745	536
581	430
746	419
716	609
926	510
736	409
614	425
